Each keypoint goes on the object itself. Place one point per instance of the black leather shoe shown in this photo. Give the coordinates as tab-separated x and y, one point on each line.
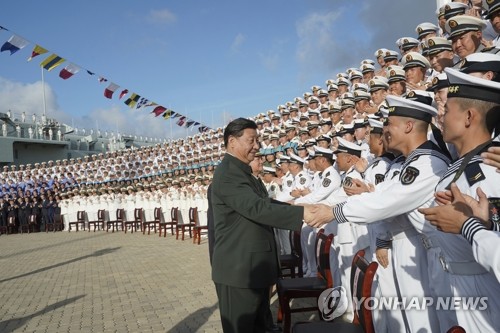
274	328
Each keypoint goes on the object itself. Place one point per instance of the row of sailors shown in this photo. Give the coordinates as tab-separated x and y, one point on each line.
417	259
166	198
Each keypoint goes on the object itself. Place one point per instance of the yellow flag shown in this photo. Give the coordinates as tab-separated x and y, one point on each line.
52	62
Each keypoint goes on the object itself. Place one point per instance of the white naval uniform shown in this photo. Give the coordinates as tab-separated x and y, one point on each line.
348	239
455	269
419	174
302	181
375	174
384	282
283	236
484	244
330	182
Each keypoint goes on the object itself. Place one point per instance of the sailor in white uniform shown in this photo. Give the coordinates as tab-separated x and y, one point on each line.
407	133
472	107
329	182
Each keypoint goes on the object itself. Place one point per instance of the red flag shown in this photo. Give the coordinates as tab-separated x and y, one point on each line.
181	121
123	93
108	92
69	71
159	110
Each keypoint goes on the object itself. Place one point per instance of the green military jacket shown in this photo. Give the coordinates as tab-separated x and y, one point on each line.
245	250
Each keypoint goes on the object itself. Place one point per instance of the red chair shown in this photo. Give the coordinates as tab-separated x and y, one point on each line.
120	215
362	274
181	227
174	219
136	221
99	223
80	220
197	231
153	224
292	261
308	287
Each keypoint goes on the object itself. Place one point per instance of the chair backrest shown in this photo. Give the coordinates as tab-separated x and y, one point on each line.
80	215
174	214
138	214
193	215
323	246
362	274
119	214
32	218
295	243
157	214
11	220
456	329
101	213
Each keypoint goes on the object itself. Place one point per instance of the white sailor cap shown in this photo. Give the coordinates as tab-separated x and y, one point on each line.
359	123
323	152
322	93
343	81
347	95
403	107
380	53
270	170
491	6
472	87
414	59
296	159
313	112
377	84
360	86
315	88
332	87
312	124
376	125
289	127
284	159
367	68
461	24
360	95
334	107
407	43
480	62
344	75
346	129
346	104
348	147
329	81
313	99
423	29
324	137
367	62
391	55
453	9
422	96
437	45
355	74
395	73
439	82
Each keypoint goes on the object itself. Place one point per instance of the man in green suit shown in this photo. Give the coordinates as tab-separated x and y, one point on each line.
245	262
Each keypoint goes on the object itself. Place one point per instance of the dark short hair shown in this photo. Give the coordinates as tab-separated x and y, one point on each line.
236	127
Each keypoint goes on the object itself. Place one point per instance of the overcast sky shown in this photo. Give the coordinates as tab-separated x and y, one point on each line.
210	61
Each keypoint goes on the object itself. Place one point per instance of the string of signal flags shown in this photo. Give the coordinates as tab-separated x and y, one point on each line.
133	100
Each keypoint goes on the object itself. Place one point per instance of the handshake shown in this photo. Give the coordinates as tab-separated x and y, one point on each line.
317	215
